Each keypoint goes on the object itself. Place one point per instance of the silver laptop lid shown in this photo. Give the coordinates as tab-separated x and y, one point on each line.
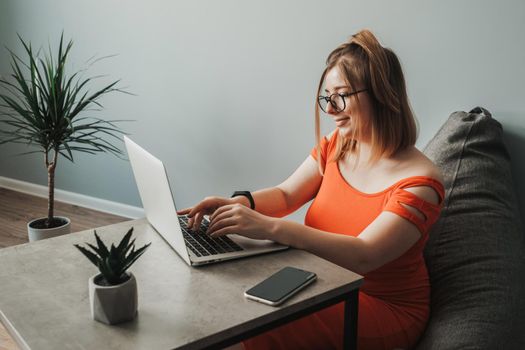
156	196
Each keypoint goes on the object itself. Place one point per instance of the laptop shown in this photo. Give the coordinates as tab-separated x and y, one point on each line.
195	248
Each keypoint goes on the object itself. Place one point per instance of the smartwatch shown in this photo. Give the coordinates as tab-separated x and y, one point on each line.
246	194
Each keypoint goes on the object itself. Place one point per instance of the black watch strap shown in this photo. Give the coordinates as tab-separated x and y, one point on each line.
246	194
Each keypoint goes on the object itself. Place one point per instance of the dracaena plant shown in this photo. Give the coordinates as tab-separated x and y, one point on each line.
44	107
113	262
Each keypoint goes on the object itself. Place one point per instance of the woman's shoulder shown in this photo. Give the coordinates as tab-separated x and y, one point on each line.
421	176
414	163
332	136
329	142
426	166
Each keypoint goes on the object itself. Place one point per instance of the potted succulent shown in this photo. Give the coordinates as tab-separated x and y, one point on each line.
42	106
113	291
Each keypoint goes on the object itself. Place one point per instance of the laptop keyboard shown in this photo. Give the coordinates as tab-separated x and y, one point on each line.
203	245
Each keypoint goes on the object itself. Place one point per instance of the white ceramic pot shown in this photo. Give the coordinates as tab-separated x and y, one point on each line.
113	304
36	234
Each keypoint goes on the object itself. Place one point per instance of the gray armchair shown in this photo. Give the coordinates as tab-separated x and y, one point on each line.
476	250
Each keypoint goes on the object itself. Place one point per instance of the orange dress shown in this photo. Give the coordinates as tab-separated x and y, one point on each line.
393	299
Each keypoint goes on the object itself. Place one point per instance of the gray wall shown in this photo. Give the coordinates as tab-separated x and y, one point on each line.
225	89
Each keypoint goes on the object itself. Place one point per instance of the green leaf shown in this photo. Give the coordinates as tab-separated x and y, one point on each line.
105	271
113	263
123	245
130	246
94	248
92	257
46	102
134	255
68	149
113	254
65	155
102	247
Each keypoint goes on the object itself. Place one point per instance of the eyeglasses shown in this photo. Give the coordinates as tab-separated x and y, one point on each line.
337	101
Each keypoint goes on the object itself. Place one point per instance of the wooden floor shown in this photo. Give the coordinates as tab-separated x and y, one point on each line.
17	209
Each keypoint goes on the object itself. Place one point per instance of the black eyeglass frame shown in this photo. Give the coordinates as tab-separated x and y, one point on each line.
328	99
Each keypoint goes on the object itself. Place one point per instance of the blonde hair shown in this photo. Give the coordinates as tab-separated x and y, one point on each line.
365	64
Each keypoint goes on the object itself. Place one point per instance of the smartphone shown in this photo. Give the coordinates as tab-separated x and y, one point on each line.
280	286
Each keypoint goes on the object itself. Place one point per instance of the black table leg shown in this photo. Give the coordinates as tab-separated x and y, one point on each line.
350	321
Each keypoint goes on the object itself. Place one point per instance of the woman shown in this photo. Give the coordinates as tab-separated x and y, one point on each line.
375	198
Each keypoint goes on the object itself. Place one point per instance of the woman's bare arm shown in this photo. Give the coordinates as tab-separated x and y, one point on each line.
290	195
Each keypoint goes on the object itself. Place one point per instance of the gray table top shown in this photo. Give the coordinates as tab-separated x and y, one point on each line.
44	300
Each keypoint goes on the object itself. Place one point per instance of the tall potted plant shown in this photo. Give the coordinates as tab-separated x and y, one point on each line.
42	106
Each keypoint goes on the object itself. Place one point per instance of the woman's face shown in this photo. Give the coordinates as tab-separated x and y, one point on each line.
345	120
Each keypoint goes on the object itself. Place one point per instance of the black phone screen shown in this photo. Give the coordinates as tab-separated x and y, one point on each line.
281	284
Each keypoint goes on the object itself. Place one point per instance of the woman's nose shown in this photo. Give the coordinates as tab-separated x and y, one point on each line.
330	109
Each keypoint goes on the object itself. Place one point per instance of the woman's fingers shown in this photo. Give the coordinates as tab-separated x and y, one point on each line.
197	208
197	221
221	210
217	220
220	224
196	213
184	211
225	231
207	206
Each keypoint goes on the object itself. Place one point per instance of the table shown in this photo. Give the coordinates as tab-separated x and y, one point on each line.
44	302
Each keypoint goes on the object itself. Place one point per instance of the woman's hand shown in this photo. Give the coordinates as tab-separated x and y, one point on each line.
205	207
236	218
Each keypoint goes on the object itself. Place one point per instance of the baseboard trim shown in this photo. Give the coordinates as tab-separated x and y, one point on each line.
81	200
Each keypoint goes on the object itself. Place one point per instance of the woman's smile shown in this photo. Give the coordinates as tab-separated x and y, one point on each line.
341	120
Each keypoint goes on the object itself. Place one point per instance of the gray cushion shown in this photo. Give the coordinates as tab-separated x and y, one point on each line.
476	251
